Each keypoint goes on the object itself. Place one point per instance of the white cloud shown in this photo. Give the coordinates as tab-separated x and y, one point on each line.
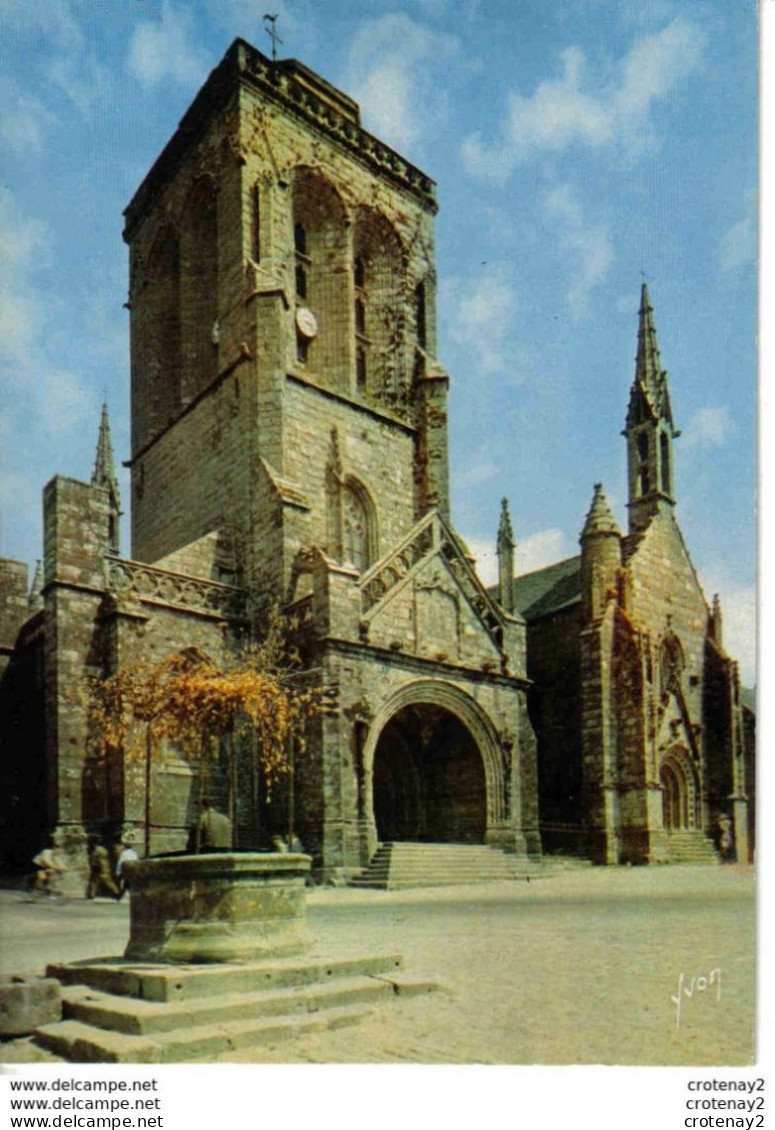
69	62
394	71
480	470
165	50
577	110
542	549
56	396
54	21
737	247
536	552
24	244
23	121
483	549
588	247
481	316
708	427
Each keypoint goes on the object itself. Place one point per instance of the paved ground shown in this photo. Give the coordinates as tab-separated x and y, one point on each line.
577	968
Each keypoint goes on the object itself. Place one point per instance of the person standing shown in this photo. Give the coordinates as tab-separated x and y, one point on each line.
101	879
127	854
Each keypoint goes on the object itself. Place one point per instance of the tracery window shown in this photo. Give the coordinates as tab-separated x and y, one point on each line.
355	530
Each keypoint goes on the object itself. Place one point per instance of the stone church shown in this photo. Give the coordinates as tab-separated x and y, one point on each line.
289	448
644	735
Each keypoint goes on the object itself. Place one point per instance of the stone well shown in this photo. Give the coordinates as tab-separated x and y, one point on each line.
217	907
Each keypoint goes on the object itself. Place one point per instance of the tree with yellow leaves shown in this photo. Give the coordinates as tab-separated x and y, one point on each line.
190	702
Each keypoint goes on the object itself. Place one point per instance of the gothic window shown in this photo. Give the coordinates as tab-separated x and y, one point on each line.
199	288
360	317
361	340
379	313
160	332
671	663
664	450
420	314
357	527
360	367
302	259
360	274
644	483
256	224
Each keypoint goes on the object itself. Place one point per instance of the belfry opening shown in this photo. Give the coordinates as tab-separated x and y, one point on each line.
429	781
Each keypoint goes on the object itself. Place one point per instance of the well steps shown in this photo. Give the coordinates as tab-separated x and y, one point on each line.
119	1012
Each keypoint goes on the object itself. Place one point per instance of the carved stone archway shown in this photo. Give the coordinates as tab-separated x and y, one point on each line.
680	791
430	735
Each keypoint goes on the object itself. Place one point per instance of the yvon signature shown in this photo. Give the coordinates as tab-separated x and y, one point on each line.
687	989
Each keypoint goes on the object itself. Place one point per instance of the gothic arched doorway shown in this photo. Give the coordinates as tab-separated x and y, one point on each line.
679	792
428	778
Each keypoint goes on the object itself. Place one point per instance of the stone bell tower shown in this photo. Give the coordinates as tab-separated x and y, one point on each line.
288	409
285	391
649	429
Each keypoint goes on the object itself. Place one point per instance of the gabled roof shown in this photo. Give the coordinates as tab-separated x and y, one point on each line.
548	590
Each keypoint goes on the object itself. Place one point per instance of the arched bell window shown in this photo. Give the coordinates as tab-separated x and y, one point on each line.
644	483
664	450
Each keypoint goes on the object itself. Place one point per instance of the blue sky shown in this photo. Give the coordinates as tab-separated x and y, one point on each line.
575	143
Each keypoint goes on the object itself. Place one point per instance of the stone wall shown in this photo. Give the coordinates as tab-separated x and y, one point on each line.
14	606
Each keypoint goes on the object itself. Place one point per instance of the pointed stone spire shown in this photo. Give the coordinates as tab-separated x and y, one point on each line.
505	530
35	601
600	519
601	557
104	476
648	365
649	428
505	547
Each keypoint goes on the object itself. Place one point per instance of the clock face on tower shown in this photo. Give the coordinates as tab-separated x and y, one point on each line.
306	322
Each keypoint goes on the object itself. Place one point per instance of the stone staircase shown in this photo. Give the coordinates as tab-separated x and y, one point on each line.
400	865
119	1012
691	846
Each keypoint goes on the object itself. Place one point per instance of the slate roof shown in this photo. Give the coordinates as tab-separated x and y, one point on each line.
548	590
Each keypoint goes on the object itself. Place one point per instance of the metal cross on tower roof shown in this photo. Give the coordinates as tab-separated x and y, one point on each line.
271	31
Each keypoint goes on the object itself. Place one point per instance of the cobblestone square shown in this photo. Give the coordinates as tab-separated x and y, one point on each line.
578	968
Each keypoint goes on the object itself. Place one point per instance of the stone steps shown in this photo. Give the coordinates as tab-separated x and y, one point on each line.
77	1042
691	847
402	865
175	983
123	1013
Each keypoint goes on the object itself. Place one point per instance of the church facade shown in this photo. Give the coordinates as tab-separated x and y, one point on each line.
638	709
289	449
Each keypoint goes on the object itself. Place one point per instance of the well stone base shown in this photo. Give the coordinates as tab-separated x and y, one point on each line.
218	907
